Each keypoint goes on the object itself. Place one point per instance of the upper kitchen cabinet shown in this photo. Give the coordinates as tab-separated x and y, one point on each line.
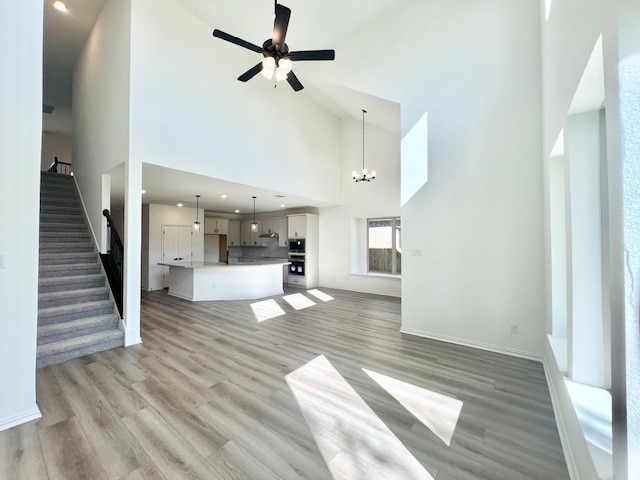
297	226
270	225
216	226
233	237
249	238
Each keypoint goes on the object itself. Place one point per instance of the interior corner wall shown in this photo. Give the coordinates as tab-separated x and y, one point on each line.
190	112
21	28
379	198
101	106
154	217
55	145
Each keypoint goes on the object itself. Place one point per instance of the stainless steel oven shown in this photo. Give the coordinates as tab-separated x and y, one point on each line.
296	246
297	266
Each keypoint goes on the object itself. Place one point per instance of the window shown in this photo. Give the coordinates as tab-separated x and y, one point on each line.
384	245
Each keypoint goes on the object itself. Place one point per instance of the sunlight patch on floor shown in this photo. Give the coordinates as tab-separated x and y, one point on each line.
320	295
439	413
266	310
354	442
298	301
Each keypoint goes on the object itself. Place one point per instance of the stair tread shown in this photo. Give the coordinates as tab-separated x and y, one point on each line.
78	342
74	307
72	293
72	325
66	266
75	278
53	256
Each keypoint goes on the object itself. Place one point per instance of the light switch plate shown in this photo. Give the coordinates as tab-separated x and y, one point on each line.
2	264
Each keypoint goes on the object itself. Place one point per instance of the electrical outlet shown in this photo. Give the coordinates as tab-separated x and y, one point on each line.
213	286
416	253
2	264
514	328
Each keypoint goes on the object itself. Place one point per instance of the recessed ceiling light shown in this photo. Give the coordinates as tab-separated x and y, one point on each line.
282	205
237	211
223	196
180	204
60	6
143	192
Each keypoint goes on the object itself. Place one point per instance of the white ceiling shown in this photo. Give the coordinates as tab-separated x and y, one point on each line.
313	25
166	186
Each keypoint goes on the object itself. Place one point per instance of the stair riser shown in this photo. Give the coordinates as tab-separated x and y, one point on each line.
71	272
70	260
58	193
61	210
64	356
111	325
62	218
58	302
92	312
65	247
63	238
66	228
98	282
58	199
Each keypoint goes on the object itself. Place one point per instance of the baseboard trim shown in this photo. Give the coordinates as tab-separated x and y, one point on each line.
21	418
562	429
473	344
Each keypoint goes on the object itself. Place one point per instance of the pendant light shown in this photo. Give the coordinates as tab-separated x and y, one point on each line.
254	224
196	224
366	176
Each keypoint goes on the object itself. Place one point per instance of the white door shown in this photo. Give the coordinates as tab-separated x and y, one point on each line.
177	246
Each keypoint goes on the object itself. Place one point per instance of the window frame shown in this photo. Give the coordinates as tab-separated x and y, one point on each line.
394	247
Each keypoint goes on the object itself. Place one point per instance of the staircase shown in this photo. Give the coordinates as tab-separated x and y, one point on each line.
76	313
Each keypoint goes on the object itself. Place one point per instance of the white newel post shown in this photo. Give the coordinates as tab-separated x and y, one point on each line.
132	252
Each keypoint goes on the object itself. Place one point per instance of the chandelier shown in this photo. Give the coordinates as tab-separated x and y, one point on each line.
365	176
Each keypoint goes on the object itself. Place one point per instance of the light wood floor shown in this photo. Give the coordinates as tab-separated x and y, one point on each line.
208	395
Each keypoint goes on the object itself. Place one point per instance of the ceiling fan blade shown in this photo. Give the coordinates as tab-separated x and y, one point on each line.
280	24
294	82
237	41
252	72
309	55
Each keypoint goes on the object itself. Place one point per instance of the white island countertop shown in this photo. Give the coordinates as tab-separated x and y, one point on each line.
251	263
198	281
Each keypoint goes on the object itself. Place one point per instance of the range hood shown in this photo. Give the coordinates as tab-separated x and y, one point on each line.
269	235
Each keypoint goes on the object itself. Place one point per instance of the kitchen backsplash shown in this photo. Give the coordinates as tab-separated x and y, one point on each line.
272	250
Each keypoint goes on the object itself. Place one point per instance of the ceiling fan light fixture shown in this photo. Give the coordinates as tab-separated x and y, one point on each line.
268	67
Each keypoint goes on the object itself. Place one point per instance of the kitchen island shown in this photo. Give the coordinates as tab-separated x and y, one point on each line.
204	281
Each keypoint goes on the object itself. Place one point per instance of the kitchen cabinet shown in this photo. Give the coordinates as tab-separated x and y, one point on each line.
270	225
216	226
249	238
233	235
283	232
298	226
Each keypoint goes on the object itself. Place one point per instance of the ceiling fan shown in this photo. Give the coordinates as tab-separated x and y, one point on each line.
277	57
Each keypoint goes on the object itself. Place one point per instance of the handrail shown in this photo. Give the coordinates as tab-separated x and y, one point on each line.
113	261
53	168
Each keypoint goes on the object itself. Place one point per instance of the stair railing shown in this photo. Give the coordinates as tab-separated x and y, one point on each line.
59	167
113	261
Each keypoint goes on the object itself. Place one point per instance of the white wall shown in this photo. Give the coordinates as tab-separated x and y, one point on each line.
629	28
153	218
55	145
568	38
20	136
476	227
101	106
188	111
378	198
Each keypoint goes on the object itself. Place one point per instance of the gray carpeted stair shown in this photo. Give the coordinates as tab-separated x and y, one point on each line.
76	315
